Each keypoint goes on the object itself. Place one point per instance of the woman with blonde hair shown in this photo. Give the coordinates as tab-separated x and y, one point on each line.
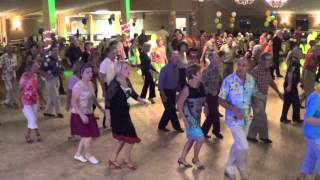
117	110
311	163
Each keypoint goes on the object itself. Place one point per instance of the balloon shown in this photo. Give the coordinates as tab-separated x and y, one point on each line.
232	19
219	13
216	20
266	24
219	26
233	14
275	22
268	13
231	26
269	18
273	17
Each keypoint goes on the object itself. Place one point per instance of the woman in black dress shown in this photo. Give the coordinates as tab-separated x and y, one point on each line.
119	90
146	68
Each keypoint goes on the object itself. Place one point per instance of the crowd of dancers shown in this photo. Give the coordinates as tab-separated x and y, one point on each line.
193	75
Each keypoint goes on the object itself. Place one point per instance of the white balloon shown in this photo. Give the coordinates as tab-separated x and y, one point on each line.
233	14
219	14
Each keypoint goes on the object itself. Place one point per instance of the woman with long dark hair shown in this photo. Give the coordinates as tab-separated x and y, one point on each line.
83	122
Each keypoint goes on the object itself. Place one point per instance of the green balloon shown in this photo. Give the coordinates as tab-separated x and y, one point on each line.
219	26
273	17
266	24
231	26
216	20
269	18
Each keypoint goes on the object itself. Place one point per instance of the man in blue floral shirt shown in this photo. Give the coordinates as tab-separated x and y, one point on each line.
236	96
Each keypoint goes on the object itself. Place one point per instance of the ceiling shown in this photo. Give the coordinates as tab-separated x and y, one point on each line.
24	7
260	6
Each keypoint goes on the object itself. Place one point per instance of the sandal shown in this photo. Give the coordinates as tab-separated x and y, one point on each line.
198	164
114	164
130	166
29	139
184	164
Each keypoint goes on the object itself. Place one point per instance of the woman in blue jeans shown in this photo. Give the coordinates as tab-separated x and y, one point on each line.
311	163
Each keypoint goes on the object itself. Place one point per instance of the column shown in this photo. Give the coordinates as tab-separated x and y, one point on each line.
49	14
3	30
125	10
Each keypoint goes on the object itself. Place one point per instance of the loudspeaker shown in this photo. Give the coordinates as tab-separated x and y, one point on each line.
303	23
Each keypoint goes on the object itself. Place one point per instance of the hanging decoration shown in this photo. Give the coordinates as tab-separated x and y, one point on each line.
192	18
232	20
172	17
125	27
277	3
244	2
271	17
217	20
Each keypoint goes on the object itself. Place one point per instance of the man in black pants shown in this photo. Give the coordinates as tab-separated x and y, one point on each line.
211	81
168	85
276	48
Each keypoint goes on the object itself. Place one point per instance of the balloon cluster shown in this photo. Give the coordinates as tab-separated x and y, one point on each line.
173	17
47	39
271	17
232	19
192	18
217	20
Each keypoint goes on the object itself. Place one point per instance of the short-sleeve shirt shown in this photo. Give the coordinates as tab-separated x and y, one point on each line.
7	65
29	88
312	132
238	93
107	68
73	80
230	53
263	78
86	97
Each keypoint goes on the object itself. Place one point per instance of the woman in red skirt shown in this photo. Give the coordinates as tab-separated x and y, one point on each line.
83	122
119	90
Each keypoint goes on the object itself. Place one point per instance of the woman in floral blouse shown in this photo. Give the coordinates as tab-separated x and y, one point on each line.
29	98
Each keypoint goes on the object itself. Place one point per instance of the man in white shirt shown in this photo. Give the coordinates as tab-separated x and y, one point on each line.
229	57
163	34
8	65
107	72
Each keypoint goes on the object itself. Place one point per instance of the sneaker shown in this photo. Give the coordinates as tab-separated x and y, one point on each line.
80	158
229	175
254	140
92	160
48	115
59	115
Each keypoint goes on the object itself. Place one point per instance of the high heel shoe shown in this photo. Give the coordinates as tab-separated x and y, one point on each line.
114	164
184	164
197	164
130	166
39	139
29	139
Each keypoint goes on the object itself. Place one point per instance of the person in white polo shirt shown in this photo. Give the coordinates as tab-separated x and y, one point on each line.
107	71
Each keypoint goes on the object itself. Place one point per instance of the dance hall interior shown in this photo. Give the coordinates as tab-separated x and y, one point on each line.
160	90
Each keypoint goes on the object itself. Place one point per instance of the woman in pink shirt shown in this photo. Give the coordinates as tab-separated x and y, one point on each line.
29	95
